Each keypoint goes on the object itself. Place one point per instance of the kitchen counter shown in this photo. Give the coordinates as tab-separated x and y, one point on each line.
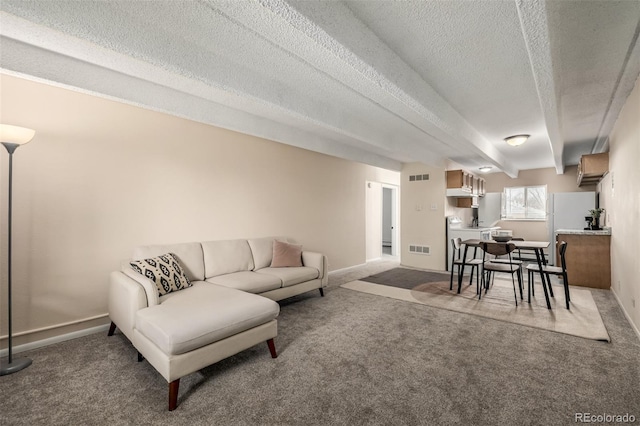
604	231
588	259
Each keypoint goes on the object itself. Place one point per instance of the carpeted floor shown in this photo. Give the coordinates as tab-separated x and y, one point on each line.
349	358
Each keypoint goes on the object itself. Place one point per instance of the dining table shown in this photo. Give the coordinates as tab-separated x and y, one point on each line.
536	246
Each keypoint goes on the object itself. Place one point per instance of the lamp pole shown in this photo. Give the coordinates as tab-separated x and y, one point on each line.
13	366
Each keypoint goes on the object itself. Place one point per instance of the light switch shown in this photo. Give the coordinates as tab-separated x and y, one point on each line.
434	206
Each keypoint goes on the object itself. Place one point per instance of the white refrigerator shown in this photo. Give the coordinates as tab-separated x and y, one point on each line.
567	210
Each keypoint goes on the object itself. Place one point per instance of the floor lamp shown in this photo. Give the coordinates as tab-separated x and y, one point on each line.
12	137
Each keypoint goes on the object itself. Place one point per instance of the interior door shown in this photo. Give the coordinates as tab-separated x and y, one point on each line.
389	220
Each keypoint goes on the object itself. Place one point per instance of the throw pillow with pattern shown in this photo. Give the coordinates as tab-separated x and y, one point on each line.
165	271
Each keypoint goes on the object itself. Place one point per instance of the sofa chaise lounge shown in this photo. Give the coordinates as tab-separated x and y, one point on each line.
229	304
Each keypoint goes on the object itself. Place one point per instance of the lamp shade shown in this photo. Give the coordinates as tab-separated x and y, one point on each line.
15	134
516	140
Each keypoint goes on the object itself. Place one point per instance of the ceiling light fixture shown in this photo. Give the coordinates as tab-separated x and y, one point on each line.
485	169
516	139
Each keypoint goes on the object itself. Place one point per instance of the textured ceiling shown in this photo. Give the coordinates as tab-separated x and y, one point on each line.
379	82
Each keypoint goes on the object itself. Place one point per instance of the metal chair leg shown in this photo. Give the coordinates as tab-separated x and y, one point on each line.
451	279
549	283
533	281
519	282
567	298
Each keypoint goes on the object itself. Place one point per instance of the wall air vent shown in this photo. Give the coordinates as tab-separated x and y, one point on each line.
414	178
419	249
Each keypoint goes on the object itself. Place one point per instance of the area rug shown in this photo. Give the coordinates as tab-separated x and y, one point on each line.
582	320
406	278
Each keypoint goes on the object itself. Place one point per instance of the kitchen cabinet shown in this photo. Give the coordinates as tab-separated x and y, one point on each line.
465	187
587	256
592	167
478	187
459	179
464	202
474	186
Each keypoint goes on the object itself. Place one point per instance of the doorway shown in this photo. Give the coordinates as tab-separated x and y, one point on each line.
381	221
389	243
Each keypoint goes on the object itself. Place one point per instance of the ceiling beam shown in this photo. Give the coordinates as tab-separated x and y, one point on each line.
363	64
535	29
624	85
36	52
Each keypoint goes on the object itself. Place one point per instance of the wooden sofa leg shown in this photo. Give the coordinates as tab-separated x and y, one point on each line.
173	394
272	348
112	329
140	357
321	292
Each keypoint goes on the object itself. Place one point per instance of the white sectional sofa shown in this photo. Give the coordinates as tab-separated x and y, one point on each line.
228	307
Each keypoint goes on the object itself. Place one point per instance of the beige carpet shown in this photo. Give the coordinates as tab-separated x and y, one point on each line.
583	319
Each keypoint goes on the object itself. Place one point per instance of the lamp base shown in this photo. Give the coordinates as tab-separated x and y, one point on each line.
15	366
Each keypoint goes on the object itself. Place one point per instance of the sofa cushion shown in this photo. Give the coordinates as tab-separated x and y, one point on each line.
248	281
202	314
286	254
164	270
189	255
225	257
262	250
291	276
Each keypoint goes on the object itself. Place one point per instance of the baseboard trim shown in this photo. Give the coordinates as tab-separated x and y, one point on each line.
348	268
55	339
367	262
626	314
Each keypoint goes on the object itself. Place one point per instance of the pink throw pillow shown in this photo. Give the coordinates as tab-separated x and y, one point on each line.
286	255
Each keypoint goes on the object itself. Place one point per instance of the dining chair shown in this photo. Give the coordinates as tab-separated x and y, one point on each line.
551	270
513	259
460	262
491	266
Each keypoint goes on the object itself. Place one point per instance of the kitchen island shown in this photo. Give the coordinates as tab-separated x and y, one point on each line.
588	259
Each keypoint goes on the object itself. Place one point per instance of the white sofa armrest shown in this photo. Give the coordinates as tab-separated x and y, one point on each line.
150	288
318	261
126	297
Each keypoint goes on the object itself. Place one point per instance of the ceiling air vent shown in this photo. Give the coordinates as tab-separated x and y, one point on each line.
419	249
414	178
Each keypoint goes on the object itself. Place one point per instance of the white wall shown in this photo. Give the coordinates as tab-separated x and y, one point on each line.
620	197
423	216
101	177
373	220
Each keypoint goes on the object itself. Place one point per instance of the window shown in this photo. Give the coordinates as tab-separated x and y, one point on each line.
524	202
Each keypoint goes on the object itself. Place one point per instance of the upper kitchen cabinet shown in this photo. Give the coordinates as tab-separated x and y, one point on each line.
459	179
461	182
465	187
592	167
478	187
